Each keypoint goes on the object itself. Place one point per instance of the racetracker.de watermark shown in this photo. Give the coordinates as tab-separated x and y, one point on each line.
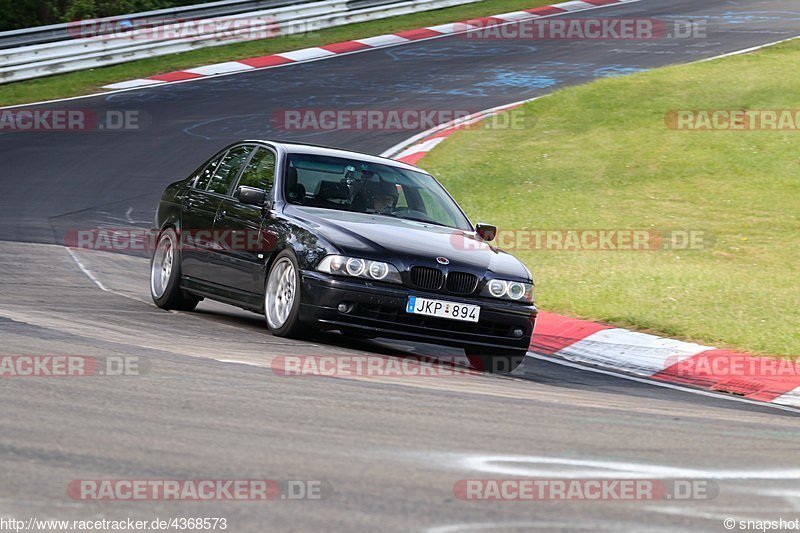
592	240
633	490
163	29
721	364
733	119
82	120
393	119
133	240
68	366
583	29
246	490
369	366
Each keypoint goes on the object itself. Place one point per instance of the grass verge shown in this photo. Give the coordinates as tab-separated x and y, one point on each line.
602	156
89	81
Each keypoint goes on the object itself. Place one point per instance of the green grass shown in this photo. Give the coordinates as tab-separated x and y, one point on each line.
601	156
89	81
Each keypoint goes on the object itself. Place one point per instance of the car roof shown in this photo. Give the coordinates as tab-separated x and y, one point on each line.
315	149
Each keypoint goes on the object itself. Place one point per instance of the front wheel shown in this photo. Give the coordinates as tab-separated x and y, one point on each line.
282	296
495	361
165	275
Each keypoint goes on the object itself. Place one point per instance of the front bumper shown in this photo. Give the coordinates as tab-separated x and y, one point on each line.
379	310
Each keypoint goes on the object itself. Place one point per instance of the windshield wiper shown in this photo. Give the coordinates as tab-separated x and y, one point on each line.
415	219
424	221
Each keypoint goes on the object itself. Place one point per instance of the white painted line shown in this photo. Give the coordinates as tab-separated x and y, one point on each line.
306	54
575	468
219	68
99	284
383	40
86	271
661	384
693	512
235	361
527	526
130	84
748	50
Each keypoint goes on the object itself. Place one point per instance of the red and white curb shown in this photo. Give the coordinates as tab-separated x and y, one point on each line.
415	148
360	45
761	379
665	360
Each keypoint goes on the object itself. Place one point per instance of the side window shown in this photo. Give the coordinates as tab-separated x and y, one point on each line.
204	176
228	169
260	171
402	201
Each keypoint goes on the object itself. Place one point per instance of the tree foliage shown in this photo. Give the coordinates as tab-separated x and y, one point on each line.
16	14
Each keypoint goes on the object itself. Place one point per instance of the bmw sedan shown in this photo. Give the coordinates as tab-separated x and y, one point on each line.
318	238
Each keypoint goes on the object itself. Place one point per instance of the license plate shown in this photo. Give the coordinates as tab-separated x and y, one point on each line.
443	309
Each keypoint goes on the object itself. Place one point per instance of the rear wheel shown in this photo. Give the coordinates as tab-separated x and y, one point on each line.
495	361
282	296
165	275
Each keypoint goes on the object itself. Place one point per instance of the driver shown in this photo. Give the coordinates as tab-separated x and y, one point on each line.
384	197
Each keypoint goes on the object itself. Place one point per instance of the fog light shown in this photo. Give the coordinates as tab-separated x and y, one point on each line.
345	307
517	332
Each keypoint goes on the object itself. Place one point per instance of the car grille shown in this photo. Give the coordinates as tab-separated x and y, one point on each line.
427	278
433	279
461	283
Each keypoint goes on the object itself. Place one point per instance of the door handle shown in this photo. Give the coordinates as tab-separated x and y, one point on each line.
188	205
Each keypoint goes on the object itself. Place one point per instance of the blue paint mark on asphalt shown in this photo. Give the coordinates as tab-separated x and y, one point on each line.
616	70
550	74
742	17
519	80
448	51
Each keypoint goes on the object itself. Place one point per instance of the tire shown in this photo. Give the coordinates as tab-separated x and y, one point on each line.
495	361
282	297
165	275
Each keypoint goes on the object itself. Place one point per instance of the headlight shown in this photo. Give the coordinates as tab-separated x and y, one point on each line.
359	268
497	288
355	267
509	290
516	290
378	270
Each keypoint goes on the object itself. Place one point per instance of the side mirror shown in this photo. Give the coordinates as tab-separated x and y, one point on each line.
251	195
486	231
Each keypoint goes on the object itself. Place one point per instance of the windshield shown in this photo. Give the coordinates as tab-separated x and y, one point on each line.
364	187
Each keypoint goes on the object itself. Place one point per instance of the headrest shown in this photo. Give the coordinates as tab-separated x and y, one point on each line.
332	190
291	177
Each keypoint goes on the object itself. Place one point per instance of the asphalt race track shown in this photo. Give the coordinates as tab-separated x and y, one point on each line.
207	404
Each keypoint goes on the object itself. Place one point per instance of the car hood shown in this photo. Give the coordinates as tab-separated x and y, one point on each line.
406	242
